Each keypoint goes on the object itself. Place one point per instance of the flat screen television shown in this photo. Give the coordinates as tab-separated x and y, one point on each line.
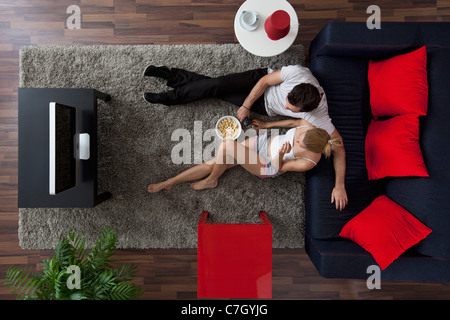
66	147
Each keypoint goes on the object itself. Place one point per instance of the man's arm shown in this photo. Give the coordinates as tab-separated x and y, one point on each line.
339	194
270	79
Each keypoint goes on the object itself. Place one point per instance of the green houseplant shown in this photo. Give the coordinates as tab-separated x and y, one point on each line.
76	274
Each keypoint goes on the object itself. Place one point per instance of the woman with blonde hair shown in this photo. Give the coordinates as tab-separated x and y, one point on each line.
300	149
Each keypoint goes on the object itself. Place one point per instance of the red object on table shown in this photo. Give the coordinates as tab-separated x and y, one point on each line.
234	260
277	25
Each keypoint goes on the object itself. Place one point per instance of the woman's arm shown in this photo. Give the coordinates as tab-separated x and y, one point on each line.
339	194
298	165
289	123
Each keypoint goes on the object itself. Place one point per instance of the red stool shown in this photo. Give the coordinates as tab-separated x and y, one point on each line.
234	260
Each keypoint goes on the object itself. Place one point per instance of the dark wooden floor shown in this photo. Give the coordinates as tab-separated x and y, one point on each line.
171	274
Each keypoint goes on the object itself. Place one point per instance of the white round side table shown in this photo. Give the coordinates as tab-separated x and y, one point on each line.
256	41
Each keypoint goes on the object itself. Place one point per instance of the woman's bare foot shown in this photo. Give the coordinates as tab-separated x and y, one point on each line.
156	187
204	184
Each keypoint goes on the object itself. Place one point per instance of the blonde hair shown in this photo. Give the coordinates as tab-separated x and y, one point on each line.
319	141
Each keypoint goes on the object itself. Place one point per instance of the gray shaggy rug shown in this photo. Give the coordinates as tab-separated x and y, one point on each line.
138	141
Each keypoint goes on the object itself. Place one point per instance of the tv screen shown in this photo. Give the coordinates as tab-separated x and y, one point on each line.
62	152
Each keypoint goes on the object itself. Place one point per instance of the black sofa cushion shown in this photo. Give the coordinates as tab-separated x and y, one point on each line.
346	86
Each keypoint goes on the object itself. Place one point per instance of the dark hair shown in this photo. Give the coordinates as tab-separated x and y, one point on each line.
305	96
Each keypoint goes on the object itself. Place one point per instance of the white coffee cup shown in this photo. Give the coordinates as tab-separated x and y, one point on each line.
249	17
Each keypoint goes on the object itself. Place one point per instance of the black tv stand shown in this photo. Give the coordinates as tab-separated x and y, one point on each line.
34	148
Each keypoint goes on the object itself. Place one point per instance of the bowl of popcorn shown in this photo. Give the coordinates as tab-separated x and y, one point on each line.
228	127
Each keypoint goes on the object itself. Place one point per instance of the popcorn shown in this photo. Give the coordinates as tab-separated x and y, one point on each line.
228	128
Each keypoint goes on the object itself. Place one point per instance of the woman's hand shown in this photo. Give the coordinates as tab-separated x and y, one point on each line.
259	124
278	160
285	148
243	113
339	197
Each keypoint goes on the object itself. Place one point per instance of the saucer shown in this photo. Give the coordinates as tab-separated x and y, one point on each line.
246	26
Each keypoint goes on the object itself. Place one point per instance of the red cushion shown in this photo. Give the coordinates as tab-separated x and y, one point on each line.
392	148
399	85
385	229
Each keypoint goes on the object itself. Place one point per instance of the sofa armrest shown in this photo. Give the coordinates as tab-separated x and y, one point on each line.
354	39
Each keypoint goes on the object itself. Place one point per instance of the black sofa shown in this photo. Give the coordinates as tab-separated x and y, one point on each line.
339	58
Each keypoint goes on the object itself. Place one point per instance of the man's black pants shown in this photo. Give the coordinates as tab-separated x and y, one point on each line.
234	88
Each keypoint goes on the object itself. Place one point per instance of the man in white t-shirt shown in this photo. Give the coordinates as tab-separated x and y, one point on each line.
292	91
276	87
276	96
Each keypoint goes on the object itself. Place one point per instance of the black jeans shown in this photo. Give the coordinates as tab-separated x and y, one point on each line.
234	88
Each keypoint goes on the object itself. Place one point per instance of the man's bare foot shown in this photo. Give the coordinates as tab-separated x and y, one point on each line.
156	187
204	184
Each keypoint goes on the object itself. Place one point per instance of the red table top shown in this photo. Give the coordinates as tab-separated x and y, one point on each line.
234	260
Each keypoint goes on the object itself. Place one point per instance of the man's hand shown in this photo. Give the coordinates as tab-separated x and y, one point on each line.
257	91
339	197
243	113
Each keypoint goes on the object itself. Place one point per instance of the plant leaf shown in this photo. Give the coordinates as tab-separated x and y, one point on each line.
18	278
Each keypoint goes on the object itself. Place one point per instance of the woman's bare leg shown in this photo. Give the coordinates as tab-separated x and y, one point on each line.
197	172
222	162
230	154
